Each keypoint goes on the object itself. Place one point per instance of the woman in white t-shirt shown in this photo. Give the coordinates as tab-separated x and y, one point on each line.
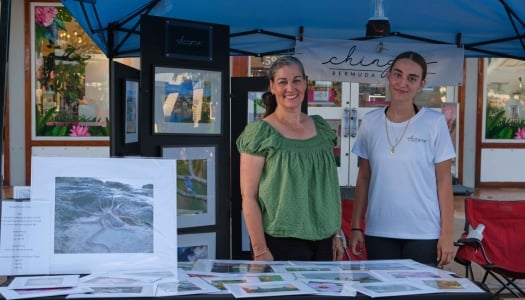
404	181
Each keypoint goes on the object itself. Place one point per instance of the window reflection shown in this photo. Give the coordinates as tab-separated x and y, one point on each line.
70	77
505	99
324	93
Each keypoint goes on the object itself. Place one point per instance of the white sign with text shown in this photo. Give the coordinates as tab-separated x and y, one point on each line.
369	61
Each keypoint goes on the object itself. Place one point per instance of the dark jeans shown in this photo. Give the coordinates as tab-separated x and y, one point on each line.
423	251
298	249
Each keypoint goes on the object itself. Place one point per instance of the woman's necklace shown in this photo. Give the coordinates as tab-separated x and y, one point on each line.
398	140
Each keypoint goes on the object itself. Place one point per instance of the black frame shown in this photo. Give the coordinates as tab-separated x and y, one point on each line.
119	74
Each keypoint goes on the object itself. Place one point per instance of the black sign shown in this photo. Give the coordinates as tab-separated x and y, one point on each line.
188	40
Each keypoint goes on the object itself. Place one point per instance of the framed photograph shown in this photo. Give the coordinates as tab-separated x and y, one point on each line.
191	247
109	213
187	101
256	107
196	184
131	104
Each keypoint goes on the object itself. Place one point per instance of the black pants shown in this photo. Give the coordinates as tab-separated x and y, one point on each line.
298	249
423	251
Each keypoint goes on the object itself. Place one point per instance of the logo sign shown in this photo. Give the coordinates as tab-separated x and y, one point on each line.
370	61
187	40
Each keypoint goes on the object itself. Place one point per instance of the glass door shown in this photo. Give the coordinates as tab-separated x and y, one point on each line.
331	100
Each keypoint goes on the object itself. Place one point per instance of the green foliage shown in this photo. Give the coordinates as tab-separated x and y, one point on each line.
41	121
499	127
52	117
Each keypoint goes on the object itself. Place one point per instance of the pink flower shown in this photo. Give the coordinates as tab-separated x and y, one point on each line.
45	15
520	134
78	130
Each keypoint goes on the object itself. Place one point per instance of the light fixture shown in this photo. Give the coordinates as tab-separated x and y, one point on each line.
378	25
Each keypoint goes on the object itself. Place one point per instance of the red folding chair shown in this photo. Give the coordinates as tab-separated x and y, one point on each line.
501	250
347	207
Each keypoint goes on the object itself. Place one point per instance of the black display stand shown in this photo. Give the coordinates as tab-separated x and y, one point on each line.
200	47
119	75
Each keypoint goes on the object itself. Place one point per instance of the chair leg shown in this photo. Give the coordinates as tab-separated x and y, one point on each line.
509	285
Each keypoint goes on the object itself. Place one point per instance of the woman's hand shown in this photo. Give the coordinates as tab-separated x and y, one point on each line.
338	247
357	242
264	255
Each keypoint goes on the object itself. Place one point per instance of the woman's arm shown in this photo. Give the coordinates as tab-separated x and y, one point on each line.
445	250
357	241
250	174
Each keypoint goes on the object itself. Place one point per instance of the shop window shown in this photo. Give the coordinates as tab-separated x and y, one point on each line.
504	104
70	81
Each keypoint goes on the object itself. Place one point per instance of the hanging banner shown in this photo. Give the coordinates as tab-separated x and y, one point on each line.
369	61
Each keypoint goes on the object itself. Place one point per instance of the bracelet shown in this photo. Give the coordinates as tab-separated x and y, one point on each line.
357	229
338	235
262	253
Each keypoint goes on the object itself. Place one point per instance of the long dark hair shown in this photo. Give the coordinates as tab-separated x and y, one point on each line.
270	103
415	57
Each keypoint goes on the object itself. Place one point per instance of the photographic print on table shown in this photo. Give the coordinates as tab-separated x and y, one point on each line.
196	184
131	121
195	246
108	212
187	101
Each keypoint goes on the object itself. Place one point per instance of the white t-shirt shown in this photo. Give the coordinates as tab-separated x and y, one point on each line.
402	197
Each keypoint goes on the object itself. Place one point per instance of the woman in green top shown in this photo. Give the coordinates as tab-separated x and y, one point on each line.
289	184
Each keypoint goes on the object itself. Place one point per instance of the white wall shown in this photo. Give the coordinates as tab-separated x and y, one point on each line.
469	127
16	94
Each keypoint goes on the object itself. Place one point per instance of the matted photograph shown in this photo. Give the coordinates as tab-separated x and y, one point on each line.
8	293
453	285
190	286
195	246
109	213
355	276
267	289
196	184
387	264
392	288
412	274
223	266
187	101
117	291
34	282
332	288
131	111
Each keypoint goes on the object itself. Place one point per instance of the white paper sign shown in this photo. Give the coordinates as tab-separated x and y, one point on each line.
24	238
369	61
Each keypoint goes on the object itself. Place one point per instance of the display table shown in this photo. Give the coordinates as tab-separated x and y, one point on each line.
436	296
440	296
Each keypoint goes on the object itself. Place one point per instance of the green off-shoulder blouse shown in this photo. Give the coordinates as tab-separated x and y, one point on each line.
299	191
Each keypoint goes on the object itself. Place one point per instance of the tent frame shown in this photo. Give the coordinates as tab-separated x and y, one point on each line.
108	33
